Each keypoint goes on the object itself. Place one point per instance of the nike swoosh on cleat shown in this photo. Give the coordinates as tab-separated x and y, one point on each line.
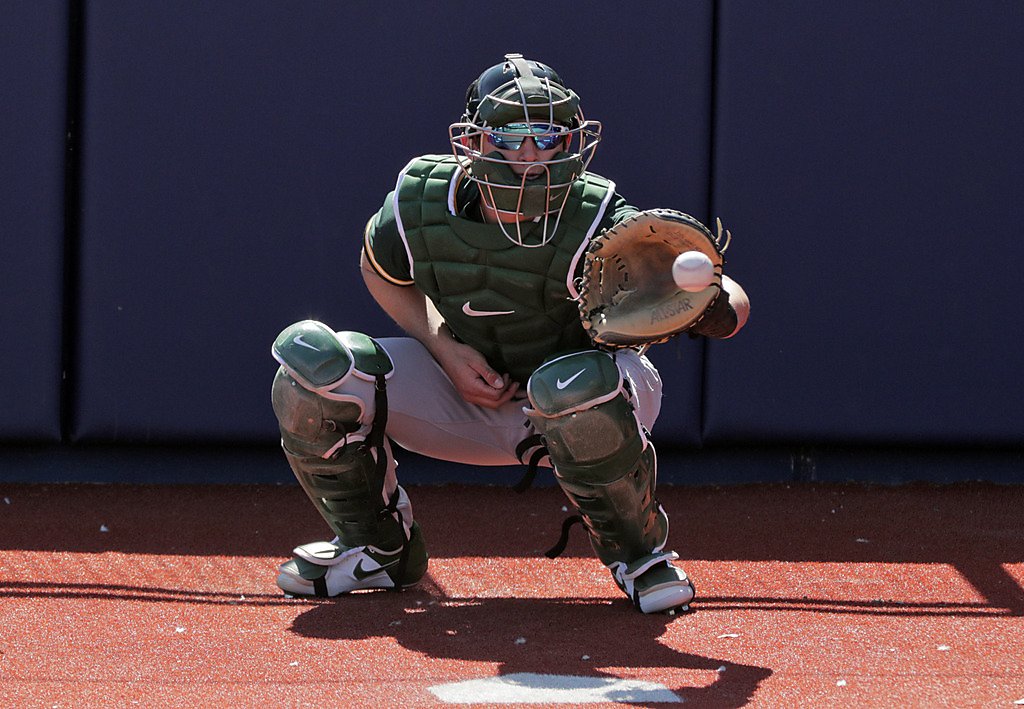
302	343
562	385
360	573
469	310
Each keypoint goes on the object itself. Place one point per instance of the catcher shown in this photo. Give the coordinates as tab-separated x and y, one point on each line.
526	319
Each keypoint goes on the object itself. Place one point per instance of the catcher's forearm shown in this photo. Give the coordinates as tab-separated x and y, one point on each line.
406	305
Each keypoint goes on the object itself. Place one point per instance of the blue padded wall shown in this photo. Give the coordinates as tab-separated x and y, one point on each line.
33	68
868	159
234	153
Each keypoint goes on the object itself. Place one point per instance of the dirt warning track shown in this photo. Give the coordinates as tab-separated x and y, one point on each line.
810	595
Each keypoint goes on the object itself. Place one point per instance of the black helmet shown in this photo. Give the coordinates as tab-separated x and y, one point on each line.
498	95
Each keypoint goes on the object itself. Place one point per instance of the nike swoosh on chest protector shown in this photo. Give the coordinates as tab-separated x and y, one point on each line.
472	312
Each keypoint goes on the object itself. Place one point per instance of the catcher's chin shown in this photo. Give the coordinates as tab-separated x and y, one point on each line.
739	301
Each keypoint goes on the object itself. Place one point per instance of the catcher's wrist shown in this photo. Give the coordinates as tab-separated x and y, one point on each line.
437	339
719	321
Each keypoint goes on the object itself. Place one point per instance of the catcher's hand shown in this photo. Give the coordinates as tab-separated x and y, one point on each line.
628	296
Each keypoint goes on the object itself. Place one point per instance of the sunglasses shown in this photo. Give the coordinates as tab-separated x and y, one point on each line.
545	135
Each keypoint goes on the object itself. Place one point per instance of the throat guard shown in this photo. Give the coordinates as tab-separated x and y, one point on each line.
541	195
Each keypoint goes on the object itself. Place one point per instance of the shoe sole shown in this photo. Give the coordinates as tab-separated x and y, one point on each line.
292	587
670	598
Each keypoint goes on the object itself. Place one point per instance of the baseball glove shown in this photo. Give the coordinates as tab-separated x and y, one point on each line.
628	297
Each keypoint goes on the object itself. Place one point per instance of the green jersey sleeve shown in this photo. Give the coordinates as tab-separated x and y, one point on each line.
384	246
617	210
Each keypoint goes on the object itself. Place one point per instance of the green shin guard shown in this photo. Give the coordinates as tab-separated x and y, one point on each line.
601	457
348	492
622	517
330	401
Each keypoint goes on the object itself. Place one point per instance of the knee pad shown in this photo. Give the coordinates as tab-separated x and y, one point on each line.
581	407
325	392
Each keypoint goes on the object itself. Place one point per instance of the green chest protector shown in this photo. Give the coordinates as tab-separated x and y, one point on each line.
513	304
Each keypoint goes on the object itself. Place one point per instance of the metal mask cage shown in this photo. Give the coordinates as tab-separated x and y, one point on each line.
512	195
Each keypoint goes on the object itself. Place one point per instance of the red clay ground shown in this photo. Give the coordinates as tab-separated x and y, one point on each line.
810	595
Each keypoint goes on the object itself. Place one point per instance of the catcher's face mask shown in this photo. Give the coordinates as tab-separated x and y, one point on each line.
509	103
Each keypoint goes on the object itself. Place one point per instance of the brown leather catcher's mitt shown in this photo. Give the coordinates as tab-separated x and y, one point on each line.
628	297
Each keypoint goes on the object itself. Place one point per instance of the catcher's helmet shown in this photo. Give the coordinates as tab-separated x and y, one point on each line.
533	98
497	93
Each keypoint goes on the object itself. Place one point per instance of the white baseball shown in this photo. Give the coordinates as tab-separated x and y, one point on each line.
693	271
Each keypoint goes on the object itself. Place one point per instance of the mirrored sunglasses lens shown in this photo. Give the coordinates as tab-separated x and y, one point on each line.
545	135
511	136
505	142
547	141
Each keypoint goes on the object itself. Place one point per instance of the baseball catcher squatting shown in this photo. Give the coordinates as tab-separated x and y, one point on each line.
529	290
